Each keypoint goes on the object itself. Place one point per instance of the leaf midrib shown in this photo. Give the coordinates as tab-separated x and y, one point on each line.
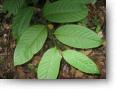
23	21
33	42
75	36
58	13
88	68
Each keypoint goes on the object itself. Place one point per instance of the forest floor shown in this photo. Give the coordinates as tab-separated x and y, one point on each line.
96	21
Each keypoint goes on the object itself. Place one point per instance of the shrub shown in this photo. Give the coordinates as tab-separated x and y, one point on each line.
31	38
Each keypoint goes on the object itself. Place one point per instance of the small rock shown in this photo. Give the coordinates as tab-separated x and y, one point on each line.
6	26
100	34
72	71
36	60
91	77
50	26
87	52
78	74
0	49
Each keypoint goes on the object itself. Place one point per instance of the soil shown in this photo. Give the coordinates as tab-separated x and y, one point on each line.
28	70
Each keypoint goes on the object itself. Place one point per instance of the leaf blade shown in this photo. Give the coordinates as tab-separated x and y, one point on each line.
77	36
21	21
62	12
30	43
80	1
80	61
49	64
12	6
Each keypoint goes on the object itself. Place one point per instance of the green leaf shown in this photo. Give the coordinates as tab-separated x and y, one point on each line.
49	64
12	6
81	1
21	21
30	43
65	11
80	61
77	36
